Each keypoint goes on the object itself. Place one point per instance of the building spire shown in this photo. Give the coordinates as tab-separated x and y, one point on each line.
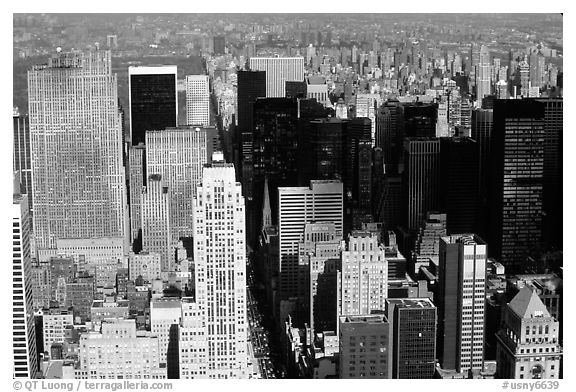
266	211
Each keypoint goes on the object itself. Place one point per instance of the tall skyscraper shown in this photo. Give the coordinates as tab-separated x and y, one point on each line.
22	160
421	180
23	332
483	84
179	155
76	145
136	180
251	85
364	282
459	183
552	191
527	345
516	184
153	99
413	324
220	270
197	100
321	201
365	343
461	302
279	70
156	231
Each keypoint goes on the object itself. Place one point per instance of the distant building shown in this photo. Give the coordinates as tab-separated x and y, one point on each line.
146	265
153	99
197	100
365	345
278	71
528	346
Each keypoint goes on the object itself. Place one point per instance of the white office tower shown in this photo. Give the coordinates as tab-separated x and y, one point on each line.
23	332
119	351
366	104
76	147
165	316
178	155
321	201
279	70
364	281
220	274
197	100
156	220
483	81
462	300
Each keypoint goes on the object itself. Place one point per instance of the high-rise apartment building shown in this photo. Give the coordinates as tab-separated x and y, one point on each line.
321	201
23	331
197	100
179	155
421	180
156	236
364	279
220	272
76	145
461	302
528	345
119	351
517	179
483	76
153	99
365	343
413	324
279	70
21	163
55	320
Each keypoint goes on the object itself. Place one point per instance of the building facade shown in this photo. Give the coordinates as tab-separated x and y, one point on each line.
197	100
279	70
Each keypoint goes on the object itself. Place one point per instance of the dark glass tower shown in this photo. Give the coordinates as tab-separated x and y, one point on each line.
517	180
153	100
21	162
420	181
413	324
459	183
482	124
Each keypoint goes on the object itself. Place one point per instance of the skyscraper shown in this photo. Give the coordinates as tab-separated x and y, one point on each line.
197	100
136	180
21	160
156	236
413	344
251	85
153	99
279	70
459	183
23	332
527	345
220	262
421	180
364	282
483	84
516	184
461	302
321	201
76	146
179	155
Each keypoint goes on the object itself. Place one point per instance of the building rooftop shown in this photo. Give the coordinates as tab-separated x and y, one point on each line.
367	319
409	303
527	304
